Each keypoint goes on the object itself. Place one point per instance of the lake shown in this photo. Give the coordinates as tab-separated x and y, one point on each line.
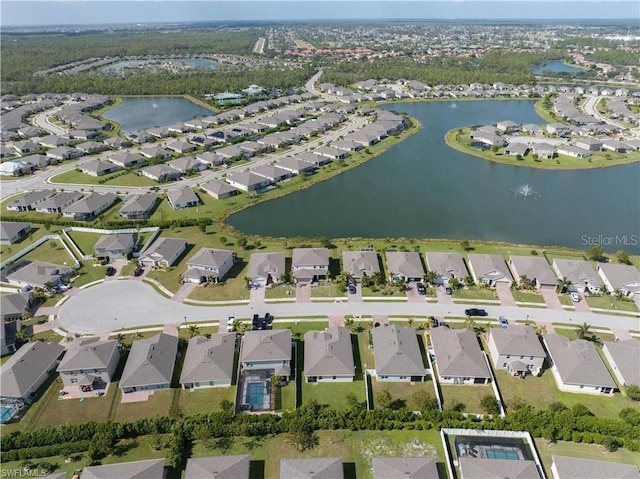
421	188
556	67
141	113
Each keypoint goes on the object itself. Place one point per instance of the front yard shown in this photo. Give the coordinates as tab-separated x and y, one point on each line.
611	302
473	292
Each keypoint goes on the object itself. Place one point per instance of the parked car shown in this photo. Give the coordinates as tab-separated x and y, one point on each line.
230	322
475	312
352	289
434	321
575	297
255	322
504	324
421	289
138	271
447	290
110	271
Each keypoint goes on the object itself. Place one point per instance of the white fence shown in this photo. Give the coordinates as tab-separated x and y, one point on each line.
81	229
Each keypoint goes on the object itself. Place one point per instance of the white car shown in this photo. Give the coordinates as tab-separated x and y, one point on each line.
575	297
230	322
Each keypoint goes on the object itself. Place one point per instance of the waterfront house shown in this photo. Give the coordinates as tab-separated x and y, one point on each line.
209	263
272	172
580	274
405	265
328	355
447	266
577	366
296	166
209	362
623	279
516	349
459	358
489	269
163	252
150	364
310	264
624	358
535	269
359	264
397	354
89	363
266	268
247	181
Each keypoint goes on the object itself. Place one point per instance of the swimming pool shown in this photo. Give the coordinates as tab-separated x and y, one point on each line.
502	454
6	413
256	394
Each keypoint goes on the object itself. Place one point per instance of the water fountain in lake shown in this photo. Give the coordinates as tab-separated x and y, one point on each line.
453	105
154	106
525	192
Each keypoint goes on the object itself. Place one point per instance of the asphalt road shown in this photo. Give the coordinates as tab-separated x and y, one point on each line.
130	304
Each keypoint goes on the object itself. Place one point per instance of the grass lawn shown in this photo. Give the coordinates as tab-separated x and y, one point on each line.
37	232
366	353
473	292
583	451
88	273
158	403
84	241
401	392
332	290
50	251
541	391
527	296
120	178
384	290
280	291
469	395
333	394
610	302
299	328
357	448
565	300
233	287
572	334
286	397
205	400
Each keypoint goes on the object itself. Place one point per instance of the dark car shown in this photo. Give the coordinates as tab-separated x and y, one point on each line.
110	271
447	290
255	322
434	321
475	312
352	289
138	271
421	289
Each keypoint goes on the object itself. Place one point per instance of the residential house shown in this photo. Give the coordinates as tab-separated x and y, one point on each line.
233	152
89	207
331	152
359	264
29	201
39	161
182	198
589	144
97	167
219	189
116	143
544	150
150	364
115	246
89	363
487	138
328	355
516	349
218	467
577	366
347	145
247	181
209	362
53	141
404	467
164	252
535	270
581	275
573	151
272	172
149	469
267	350
491	468
564	467
36	274
623	279
624	358
447	266
126	159
397	354
489	269
507	126
92	147
156	153
13	231
139	206
210	159
28	368
180	147
459	358
316	160
310	264
25	147
64	153
405	265
8	331
209	263
316	468
187	165
15	305
160	173
516	149
57	203
296	166
266	268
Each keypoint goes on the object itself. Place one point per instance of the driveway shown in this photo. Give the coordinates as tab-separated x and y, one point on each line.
504	295
443	297
357	296
551	299
303	292
256	295
412	294
183	293
582	306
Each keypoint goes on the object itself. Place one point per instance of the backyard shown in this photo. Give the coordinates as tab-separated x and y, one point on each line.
468	395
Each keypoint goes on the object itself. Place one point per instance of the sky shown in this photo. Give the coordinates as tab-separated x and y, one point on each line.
83	12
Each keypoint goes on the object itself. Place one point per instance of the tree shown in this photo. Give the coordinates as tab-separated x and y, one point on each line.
541	329
276	380
247	281
563	284
423	401
242	242
596	253
489	404
193	330
237	326
352	400
223	240
454	284
302	435
633	392
430	277
349	323
622	257
465	245
226	405
583	331
383	399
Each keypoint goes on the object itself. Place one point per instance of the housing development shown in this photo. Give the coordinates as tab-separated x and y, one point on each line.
147	332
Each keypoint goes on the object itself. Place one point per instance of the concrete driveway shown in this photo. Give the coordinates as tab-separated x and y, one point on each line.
551	299
357	296
303	292
505	295
443	297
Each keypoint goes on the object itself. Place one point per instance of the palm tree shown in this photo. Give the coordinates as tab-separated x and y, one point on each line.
349	323
431	277
563	284
193	330
583	332
541	329
454	284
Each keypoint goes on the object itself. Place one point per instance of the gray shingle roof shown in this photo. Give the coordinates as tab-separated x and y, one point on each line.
209	258
116	242
458	353
517	340
626	355
397	352
23	369
575	468
621	275
328	352
263	264
577	271
479	468
447	265
209	359
218	467
37	273
88	353
31	198
91	203
534	267
404	467
150	361
489	266
149	469
135	203
320	468
407	264
164	249
310	257
14	303
577	361
182	196
218	188
360	263
8	229
267	345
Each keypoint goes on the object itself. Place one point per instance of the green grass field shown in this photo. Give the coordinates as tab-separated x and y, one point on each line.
469	395
611	302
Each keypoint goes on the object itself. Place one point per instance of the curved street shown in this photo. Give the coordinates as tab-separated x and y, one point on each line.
130	304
